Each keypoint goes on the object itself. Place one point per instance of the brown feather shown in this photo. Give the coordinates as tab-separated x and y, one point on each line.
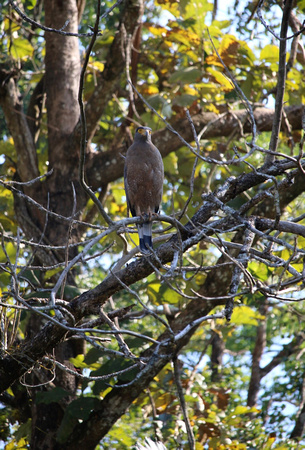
143	175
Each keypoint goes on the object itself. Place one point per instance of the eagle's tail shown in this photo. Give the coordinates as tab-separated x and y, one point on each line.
145	235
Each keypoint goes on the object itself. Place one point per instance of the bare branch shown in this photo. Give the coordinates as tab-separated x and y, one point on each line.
61	30
83	140
188	426
242	260
281	80
279	38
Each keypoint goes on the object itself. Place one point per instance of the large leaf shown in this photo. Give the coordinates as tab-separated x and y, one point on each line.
187	75
53	396
22	49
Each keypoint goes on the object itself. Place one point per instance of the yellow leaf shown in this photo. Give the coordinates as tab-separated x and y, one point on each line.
213	108
22	49
185	37
228	50
157	30
10	250
221	79
244	315
148	90
98	66
163	401
240	410
170	5
270	53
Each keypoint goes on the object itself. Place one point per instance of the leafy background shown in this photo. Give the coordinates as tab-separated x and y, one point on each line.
178	69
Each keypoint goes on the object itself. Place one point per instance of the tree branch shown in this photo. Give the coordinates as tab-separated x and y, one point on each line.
281	80
111	163
12	366
12	105
257	354
109	79
287	350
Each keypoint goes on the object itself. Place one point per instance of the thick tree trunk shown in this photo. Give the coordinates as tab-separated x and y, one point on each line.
61	83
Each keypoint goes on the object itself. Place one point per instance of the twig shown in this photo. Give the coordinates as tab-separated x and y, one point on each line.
146	309
122	344
188	426
83	139
196	138
68	240
243	258
281	80
279	38
87	377
30	200
29	183
60	31
196	323
241	96
203	158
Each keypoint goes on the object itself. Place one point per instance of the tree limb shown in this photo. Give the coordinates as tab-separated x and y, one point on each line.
12	105
111	163
281	80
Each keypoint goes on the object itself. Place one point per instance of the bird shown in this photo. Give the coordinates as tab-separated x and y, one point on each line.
143	180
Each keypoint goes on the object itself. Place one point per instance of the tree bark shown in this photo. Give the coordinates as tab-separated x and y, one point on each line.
258	351
12	105
61	86
218	347
12	366
115	65
111	163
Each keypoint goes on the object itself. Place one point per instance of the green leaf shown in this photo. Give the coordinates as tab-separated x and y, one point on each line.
82	407
184	100
187	75
168	295
10	251
171	163
301	5
270	53
156	101
153	292
259	270
244	315
79	409
24	431
22	49
240	409
53	396
7	148
31	4
79	362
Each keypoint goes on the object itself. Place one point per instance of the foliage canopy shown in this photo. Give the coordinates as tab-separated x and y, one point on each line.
201	344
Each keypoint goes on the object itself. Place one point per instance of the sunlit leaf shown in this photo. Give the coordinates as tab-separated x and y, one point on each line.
78	362
10	252
221	79
21	49
171	163
244	315
270	53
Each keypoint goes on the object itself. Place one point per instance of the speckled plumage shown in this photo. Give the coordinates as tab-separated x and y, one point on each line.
143	178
